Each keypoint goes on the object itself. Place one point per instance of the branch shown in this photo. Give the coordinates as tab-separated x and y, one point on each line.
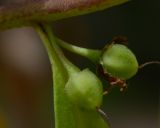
25	13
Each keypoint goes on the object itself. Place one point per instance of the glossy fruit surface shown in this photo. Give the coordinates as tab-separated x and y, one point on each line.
119	61
84	89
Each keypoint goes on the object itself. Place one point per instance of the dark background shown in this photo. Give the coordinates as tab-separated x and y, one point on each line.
26	84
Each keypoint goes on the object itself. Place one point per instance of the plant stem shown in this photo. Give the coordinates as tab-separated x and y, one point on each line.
66	114
71	68
91	54
62	106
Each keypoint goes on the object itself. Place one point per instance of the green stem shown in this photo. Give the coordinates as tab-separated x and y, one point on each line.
53	56
62	106
91	54
71	68
66	114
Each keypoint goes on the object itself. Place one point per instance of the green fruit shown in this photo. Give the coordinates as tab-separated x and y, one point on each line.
119	61
84	89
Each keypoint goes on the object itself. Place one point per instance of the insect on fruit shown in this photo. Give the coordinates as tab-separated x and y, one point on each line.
113	81
118	64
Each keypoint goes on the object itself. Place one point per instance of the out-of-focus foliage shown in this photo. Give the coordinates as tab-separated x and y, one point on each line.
26	12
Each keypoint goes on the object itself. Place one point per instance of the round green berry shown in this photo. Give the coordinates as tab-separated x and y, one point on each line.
119	61
84	89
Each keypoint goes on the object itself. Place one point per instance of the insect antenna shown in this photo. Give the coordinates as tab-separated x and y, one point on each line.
148	63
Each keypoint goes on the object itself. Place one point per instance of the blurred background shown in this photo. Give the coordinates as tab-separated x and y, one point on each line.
25	73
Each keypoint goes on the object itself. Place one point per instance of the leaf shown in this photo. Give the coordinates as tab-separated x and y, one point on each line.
24	13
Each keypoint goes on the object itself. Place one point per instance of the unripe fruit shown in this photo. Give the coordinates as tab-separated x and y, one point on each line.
119	61
84	89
